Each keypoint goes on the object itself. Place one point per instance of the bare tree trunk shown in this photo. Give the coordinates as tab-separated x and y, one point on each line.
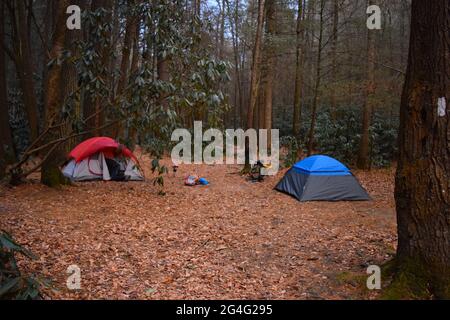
422	189
364	147
234	27
25	69
51	174
297	116
317	84
255	64
7	154
270	66
334	66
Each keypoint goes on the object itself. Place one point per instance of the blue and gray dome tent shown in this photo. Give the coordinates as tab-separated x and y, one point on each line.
321	178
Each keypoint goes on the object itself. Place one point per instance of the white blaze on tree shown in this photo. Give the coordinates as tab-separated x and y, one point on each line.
442	106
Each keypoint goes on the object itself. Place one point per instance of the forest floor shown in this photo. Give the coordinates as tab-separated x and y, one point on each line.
233	239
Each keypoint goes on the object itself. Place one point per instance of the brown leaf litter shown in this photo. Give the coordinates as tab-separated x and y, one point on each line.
232	239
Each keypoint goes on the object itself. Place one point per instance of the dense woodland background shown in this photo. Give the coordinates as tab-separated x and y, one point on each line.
311	68
137	69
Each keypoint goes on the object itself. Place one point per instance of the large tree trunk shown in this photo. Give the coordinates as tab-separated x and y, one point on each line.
254	80
255	64
270	66
317	84
297	116
51	174
7	154
234	28
334	45
24	68
422	190
364	160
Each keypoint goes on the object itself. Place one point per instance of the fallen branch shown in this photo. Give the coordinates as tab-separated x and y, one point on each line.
52	145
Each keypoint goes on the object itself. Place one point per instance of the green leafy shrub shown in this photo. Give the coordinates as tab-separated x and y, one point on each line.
340	137
291	147
14	284
18	121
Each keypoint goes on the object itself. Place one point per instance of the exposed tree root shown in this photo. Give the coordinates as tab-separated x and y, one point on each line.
412	279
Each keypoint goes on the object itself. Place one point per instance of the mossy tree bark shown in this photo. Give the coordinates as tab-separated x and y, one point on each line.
422	190
51	174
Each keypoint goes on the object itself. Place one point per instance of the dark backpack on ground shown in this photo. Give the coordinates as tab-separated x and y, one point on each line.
115	171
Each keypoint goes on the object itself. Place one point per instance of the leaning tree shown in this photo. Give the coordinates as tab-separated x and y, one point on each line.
422	190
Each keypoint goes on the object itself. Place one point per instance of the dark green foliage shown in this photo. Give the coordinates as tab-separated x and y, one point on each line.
384	140
161	170
18	121
14	284
340	138
292	147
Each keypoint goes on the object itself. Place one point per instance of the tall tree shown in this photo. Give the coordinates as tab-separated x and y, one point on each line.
364	160
422	190
23	59
297	116
234	29
318	79
269	62
256	64
6	142
334	44
51	174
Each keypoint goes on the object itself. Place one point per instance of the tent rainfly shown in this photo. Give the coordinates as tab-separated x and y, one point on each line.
321	178
102	158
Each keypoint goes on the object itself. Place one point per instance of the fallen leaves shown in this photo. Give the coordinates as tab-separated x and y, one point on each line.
231	240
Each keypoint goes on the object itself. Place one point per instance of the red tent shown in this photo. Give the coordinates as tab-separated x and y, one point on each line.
107	146
102	158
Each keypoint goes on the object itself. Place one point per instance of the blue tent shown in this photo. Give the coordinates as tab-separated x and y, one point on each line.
321	177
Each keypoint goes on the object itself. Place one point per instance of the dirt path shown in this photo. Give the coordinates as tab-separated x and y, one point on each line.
230	240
